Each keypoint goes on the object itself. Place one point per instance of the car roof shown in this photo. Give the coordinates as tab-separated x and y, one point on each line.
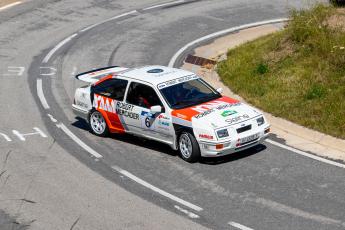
154	74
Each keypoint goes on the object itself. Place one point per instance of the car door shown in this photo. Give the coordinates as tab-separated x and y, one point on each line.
105	97
141	97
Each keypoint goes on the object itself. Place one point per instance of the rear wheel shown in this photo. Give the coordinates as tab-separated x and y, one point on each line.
189	147
98	124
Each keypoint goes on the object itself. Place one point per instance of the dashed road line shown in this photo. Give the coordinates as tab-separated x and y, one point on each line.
188	213
52	118
324	160
41	94
10	5
78	141
220	33
157	190
21	136
239	226
163	5
57	47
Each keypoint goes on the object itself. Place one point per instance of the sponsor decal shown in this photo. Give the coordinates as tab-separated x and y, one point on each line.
207	112
237	119
163	117
164	123
218	104
147	118
206	136
227	113
113	106
176	81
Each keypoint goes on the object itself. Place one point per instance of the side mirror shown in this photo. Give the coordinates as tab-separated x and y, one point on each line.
156	109
220	90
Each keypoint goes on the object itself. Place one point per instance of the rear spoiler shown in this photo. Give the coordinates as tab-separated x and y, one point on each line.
95	75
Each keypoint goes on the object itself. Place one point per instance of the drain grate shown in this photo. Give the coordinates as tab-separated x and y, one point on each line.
195	60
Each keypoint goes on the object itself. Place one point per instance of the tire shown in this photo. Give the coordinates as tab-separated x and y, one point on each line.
97	124
188	147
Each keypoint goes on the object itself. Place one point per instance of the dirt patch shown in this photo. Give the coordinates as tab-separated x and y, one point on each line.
285	49
337	20
6	2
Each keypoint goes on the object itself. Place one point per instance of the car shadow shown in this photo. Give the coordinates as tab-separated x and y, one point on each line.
145	143
233	157
81	124
163	148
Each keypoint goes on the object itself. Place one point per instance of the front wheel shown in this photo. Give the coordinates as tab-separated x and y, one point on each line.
98	124
189	147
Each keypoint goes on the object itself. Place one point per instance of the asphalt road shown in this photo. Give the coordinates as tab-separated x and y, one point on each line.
262	188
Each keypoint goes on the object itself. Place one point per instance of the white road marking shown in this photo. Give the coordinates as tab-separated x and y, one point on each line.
239	226
78	141
306	154
22	136
220	33
188	213
41	95
10	5
57	47
164	4
51	71
110	19
52	118
5	136
157	190
15	71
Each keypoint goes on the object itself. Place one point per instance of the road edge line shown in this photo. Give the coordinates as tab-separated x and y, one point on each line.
174	58
157	190
309	155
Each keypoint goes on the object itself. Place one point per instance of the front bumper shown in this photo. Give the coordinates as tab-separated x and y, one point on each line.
208	149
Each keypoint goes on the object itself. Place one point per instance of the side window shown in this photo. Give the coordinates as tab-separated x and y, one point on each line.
142	95
112	88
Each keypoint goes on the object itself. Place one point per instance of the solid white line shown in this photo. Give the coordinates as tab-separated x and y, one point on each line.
188	213
162	5
10	5
239	226
58	46
220	33
78	141
41	95
110	19
306	154
157	190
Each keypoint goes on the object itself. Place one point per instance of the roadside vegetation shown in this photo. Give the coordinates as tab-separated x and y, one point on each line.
297	73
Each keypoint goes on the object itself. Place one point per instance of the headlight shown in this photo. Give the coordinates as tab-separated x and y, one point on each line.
260	121
222	133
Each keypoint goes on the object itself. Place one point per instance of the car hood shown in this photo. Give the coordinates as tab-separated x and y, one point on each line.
217	113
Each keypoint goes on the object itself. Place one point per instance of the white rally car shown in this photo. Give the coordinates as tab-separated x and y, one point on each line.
169	105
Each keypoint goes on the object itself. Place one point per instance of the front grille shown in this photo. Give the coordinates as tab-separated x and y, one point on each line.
243	129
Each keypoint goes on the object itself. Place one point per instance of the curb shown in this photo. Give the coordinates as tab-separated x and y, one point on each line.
207	38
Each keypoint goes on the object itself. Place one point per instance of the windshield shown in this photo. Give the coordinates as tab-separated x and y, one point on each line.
189	93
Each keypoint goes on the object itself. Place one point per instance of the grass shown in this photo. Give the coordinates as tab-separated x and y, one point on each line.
297	73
